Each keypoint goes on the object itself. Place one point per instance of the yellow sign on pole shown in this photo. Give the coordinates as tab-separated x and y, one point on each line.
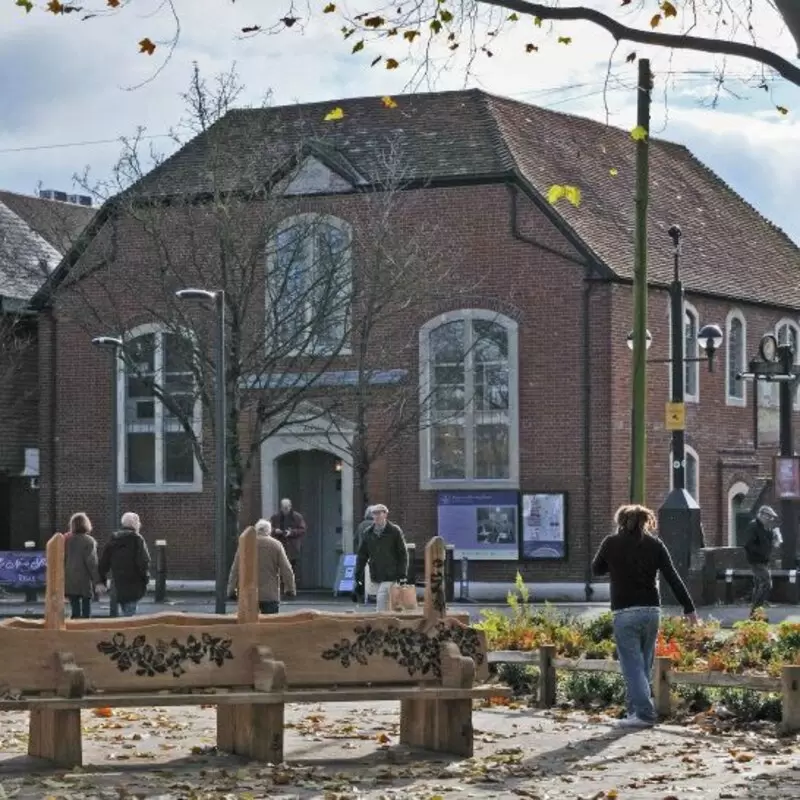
675	419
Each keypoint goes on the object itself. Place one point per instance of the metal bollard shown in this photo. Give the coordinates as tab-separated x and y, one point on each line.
464	578
411	573
31	595
729	587
794	594
161	571
449	573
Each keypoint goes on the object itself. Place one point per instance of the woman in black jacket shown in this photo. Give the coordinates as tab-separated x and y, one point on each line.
632	558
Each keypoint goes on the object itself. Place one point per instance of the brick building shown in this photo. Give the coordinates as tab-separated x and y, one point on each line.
34	235
515	345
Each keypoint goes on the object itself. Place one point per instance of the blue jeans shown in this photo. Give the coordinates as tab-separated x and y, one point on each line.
128	609
635	632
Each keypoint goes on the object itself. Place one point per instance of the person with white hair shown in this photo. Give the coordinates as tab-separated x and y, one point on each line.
127	558
289	528
274	571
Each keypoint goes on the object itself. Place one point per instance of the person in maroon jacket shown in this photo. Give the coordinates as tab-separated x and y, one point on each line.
632	558
289	528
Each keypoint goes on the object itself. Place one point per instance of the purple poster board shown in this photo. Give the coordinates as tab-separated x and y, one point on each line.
23	569
483	526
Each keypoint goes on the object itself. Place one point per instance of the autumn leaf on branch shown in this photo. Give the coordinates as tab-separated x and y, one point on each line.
655	20
26	4
565	40
639	134
392	63
375	61
409	36
334	114
374	22
537	21
289	21
613	172
146	46
358	46
572	194
446	16
54	7
329	9
531	48
631	57
782	110
669	9
513	18
251	29
389	102
112	3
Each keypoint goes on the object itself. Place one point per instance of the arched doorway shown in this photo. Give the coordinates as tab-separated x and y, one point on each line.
736	497
312	479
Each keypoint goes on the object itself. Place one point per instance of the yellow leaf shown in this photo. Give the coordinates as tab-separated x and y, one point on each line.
782	110
392	63
573	195
669	9
613	172
565	40
329	9
639	134
555	193
146	46
388	102
334	114
655	20
382	738
513	18
612	794
54	7
537	21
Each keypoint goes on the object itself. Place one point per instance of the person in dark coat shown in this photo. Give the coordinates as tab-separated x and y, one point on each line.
127	558
81	574
761	536
383	548
289	528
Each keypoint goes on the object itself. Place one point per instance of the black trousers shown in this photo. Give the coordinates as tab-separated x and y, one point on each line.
81	606
269	607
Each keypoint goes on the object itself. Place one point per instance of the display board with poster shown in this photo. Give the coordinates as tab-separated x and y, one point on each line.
483	526
544	526
787	477
345	574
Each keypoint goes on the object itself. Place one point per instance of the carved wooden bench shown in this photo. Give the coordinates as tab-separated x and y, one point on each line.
249	669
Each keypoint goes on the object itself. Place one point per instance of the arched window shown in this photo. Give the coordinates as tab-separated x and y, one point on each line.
157	398
736	496
469	404
691	387
309	285
691	472
736	358
787	332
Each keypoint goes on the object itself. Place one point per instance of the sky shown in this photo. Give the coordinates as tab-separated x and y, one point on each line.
68	91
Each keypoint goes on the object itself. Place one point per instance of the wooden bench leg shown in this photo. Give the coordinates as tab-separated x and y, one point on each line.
443	726
254	731
55	735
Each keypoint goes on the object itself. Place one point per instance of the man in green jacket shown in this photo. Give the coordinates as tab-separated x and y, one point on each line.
383	547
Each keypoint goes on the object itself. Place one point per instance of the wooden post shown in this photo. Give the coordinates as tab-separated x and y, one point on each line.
55	735
248	576
547	676
790	680
435	602
661	686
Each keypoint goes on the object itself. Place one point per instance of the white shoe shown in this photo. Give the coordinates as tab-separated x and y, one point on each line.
632	721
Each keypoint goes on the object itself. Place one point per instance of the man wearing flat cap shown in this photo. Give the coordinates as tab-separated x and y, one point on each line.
761	536
383	547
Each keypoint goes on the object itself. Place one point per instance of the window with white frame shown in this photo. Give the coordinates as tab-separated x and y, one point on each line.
309	284
787	332
691	474
736	355
469	402
158	398
691	387
736	497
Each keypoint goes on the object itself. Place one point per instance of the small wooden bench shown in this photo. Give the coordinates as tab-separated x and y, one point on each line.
249	667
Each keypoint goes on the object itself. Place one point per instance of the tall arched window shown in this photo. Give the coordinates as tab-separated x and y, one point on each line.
736	358
469	403
691	472
691	323
787	332
309	285
736	496
157	398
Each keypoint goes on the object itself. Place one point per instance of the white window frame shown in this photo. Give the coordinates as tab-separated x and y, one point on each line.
689	309
159	487
740	487
731	399
792	324
688	452
312	218
425	438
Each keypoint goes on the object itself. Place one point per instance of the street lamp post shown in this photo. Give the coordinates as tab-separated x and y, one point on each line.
114	345
220	438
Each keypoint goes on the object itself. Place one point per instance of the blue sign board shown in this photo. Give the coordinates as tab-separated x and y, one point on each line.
25	569
345	574
481	525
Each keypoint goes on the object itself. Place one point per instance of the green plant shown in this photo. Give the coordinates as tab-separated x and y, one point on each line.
592	689
694	698
750	706
600	629
522	679
788	640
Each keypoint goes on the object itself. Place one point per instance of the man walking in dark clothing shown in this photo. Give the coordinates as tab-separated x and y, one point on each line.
761	536
383	547
289	528
127	558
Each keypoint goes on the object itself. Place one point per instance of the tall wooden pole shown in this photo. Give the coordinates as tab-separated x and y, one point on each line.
639	399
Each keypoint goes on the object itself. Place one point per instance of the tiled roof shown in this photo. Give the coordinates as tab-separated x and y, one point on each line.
729	248
34	234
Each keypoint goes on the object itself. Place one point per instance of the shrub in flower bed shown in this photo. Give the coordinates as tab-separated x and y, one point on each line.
754	646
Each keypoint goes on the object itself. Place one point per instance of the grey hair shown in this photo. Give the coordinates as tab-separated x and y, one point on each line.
263	526
368	512
286	500
131	520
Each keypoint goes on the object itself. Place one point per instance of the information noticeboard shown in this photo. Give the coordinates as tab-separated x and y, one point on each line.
345	574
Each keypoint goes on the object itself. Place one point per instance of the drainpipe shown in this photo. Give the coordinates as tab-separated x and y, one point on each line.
53	420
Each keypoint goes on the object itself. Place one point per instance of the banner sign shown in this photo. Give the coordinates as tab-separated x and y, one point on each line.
482	526
544	526
23	569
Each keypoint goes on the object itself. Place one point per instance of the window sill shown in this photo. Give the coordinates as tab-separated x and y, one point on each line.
736	402
450	485
691	398
166	488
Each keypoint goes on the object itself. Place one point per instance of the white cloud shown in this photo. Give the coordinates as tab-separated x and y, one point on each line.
69	77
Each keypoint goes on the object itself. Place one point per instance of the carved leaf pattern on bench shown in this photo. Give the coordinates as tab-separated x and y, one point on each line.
417	651
165	657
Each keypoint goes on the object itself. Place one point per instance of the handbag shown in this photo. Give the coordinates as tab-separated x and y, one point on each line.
402	597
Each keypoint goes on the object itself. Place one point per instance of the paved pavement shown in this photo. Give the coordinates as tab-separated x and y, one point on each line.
339	751
204	604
